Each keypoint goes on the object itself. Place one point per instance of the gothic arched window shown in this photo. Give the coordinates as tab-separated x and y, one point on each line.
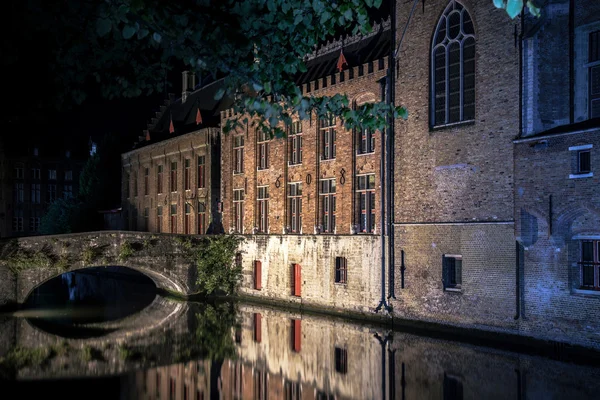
453	67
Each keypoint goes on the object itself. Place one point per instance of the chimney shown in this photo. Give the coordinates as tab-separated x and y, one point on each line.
188	84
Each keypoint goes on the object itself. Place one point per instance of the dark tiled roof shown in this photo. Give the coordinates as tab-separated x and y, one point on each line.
364	51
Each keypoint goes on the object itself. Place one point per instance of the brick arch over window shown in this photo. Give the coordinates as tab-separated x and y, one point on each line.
453	67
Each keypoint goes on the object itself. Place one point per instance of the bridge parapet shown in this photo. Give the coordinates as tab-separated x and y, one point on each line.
26	263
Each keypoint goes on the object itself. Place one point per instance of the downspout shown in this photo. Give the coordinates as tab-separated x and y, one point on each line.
390	160
383	302
571	61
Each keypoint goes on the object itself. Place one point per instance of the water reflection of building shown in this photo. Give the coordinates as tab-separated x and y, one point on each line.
283	355
185	381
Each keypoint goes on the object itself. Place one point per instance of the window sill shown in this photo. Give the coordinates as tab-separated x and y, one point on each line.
453	289
294	165
341	284
326	159
579	176
586	292
262	169
365	154
452	125
238	173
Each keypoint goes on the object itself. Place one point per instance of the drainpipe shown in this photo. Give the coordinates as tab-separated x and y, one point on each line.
390	160
571	61
382	302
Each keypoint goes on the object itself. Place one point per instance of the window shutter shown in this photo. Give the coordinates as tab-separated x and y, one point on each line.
458	271
257	275
297	280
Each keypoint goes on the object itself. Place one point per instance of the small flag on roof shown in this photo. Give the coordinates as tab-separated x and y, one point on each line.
198	116
171	126
341	61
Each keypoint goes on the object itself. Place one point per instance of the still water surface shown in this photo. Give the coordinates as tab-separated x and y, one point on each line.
106	334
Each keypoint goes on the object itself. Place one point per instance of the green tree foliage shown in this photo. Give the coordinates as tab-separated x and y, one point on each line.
125	46
215	262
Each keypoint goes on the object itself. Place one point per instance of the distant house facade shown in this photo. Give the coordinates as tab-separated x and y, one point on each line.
32	176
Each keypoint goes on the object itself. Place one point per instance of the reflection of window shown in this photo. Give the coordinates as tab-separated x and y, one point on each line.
341	360
341	270
36	173
295	207
20	173
292	390
452	271
34	224
263	209
328	205
68	175
589	264
366	202
238	209
260	385
146	217
52	174
453	67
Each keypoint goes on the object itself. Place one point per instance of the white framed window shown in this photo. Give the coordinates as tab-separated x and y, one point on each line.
238	210
262	200
68	191
68	175
587	71
238	154
453	68
36	173
327	132
581	161
295	207
589	264
19	193
262	149
593	66
52	174
328	205
17	221
19	172
365	190
295	143
366	141
35	193
51	192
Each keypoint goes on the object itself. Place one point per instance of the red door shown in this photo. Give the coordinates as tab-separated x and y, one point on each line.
257	275
297	280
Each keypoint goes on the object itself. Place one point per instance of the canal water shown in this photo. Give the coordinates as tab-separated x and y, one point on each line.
107	333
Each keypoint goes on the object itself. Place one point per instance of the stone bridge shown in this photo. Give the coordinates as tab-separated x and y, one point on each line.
26	263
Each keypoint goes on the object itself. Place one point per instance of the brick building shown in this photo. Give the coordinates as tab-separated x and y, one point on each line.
492	196
313	200
32	176
171	177
557	167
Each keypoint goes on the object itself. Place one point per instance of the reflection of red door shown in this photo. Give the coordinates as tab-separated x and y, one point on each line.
297	280
296	335
257	275
257	327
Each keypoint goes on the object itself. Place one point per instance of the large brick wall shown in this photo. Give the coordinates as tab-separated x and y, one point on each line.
204	142
453	185
554	210
363	87
316	255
